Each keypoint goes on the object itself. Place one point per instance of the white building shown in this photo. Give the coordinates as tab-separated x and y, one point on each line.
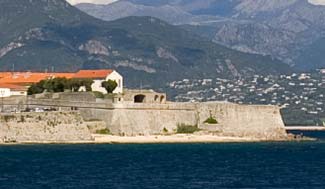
4	92
7	90
98	76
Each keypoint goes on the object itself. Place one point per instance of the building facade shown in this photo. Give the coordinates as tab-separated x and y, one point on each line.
17	83
98	76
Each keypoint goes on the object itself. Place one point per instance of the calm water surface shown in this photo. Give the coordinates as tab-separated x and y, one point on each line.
264	165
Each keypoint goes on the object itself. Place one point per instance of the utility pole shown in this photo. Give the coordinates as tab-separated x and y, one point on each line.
141	85
27	104
2	92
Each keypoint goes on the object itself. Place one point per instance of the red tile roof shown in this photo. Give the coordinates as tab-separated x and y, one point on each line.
13	87
29	77
93	74
19	80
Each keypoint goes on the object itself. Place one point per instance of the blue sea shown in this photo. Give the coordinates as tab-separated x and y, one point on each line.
289	165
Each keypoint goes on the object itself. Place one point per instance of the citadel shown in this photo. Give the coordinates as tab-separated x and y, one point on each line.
75	116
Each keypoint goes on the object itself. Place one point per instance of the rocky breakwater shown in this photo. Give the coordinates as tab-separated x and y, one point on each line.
47	127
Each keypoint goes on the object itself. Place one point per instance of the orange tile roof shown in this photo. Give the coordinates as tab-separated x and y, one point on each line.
93	74
20	79
29	77
13	87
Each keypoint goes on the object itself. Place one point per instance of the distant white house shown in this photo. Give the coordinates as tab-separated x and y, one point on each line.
16	84
4	92
7	90
99	76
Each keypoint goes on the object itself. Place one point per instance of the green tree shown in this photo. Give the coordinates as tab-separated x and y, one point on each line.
56	85
87	83
74	84
109	85
35	89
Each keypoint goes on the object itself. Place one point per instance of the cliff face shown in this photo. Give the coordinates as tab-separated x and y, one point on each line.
43	127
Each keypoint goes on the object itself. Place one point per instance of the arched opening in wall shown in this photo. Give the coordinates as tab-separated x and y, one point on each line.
156	98
162	98
139	98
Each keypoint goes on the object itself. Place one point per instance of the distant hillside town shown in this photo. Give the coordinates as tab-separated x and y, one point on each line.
301	95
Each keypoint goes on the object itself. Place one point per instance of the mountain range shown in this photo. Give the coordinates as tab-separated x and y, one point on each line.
289	30
52	35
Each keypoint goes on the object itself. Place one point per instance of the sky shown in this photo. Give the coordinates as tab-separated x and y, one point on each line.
317	2
73	2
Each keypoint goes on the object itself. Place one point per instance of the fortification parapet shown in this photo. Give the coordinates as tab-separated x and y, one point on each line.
257	121
129	118
46	126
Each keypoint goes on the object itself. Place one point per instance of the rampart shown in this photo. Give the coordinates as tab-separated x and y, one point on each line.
131	119
45	127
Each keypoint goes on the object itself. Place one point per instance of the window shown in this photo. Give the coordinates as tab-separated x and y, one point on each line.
139	98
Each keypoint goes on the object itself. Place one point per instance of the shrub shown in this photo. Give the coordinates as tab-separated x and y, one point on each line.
211	120
165	130
8	118
187	129
109	85
22	119
98	94
56	85
103	131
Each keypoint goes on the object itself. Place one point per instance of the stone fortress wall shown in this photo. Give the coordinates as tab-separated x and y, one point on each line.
133	119
44	127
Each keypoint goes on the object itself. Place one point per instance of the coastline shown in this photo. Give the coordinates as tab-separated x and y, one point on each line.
160	139
163	139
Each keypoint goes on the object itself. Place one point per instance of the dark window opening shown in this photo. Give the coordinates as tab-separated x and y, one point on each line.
162	98
139	98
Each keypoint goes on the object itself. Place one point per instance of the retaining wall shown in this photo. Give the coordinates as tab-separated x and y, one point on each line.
47	126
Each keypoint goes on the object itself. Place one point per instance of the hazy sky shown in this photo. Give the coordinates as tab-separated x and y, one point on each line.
317	2
91	1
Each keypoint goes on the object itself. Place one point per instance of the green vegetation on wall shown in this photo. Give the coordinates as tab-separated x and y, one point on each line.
103	131
165	130
186	129
211	120
98	94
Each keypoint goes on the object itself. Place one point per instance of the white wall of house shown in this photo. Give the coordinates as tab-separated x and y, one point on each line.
18	93
5	92
119	80
97	85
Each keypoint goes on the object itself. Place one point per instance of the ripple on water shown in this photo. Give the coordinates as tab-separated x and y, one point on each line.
253	165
